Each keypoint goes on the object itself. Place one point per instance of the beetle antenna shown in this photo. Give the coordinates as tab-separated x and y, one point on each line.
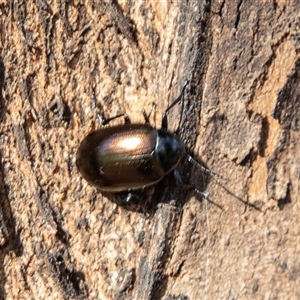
181	97
164	122
218	179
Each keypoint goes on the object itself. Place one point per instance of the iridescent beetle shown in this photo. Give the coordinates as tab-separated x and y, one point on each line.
129	157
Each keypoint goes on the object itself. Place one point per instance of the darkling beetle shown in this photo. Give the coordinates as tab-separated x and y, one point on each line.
129	157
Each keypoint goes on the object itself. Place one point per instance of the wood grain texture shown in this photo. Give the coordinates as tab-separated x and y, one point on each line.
61	239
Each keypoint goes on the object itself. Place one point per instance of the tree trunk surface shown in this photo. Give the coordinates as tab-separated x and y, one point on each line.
63	63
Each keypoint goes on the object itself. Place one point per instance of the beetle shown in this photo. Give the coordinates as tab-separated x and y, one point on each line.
129	157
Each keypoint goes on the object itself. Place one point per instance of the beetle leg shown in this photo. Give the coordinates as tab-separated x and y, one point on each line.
205	170
104	121
178	177
190	186
179	180
147	117
128	196
126	119
204	195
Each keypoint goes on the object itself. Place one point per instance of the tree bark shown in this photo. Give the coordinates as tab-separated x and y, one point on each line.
62	63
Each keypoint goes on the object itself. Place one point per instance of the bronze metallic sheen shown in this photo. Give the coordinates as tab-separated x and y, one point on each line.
127	157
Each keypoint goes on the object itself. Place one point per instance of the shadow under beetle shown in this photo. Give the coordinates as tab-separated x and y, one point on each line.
129	157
